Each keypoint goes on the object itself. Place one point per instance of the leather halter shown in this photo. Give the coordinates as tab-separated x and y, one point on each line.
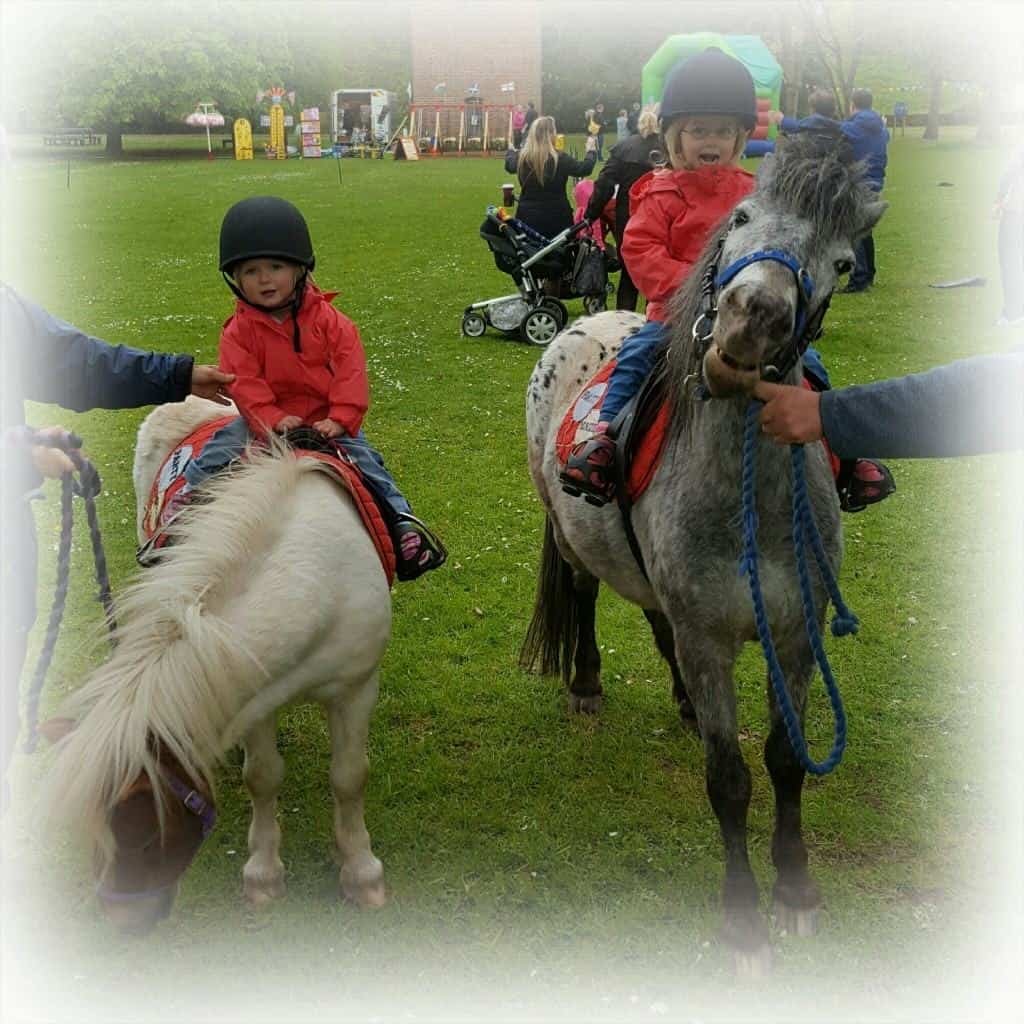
806	325
195	803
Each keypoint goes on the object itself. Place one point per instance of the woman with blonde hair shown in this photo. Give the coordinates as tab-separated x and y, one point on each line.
543	173
628	161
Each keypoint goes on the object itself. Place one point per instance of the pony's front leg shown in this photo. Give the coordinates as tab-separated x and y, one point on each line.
362	874
707	672
263	773
585	692
796	897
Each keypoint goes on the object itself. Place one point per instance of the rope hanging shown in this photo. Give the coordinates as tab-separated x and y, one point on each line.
87	487
805	534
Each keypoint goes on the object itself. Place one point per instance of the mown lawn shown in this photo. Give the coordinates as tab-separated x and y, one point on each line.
538	865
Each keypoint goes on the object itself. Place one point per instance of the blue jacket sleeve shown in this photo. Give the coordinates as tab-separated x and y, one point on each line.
970	407
58	363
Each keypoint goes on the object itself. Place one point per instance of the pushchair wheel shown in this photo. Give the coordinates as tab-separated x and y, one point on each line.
473	325
540	326
558	309
593	304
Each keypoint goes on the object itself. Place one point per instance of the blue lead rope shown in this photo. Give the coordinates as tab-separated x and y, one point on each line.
805	534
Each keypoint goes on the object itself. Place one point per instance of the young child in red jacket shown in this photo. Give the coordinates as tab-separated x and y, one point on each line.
708	109
298	362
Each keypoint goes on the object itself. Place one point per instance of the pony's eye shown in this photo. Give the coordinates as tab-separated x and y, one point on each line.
843	266
740	217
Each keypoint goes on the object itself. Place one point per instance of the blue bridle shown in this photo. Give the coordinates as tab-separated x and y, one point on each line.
806	325
804	282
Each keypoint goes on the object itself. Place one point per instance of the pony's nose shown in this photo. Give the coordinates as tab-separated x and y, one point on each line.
765	311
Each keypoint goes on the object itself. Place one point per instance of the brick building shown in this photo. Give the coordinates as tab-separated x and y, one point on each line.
476	44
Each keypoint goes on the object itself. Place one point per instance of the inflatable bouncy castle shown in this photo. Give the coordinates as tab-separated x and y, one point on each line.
763	68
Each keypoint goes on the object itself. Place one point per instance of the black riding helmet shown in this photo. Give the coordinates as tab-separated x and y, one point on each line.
712	83
266	227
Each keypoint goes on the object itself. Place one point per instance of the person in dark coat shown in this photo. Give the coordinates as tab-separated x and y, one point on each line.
601	121
628	161
531	116
869	139
633	119
543	173
821	122
48	360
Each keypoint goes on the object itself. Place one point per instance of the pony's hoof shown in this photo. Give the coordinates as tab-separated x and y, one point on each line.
586	705
799	921
367	897
261	889
753	964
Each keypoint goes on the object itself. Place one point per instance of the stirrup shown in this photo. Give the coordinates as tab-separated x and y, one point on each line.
430	545
590	470
855	494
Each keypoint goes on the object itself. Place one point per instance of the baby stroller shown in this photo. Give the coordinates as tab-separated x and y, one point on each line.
529	258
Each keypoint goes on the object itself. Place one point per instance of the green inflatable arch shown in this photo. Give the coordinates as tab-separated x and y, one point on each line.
763	68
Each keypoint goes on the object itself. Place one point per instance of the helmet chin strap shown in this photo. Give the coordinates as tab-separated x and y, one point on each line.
294	303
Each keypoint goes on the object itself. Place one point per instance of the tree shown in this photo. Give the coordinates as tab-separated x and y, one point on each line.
122	66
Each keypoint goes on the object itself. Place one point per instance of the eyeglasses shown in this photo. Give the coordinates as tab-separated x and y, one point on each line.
719	131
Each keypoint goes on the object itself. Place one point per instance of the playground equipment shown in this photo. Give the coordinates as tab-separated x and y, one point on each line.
750	50
243	139
457	129
205	115
277	121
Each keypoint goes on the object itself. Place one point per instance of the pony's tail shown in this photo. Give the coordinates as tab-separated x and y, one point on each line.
550	642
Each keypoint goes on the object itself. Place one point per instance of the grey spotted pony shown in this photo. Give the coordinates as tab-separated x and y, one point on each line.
746	311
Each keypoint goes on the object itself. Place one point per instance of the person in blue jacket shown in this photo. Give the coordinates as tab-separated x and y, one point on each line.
869	139
970	407
48	360
820	122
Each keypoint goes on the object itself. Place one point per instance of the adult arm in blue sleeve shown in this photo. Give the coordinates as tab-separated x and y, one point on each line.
58	363
970	407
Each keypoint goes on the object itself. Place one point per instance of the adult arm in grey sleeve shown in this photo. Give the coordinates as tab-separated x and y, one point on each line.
56	362
970	407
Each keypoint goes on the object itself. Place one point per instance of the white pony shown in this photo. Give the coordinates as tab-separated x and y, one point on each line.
272	593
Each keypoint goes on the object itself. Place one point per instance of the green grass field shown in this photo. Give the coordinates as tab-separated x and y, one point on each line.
565	868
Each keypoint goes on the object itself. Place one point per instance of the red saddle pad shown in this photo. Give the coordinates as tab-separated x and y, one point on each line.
583	416
171	479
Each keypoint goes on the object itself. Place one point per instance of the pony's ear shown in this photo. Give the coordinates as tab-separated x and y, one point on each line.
54	730
872	214
766	170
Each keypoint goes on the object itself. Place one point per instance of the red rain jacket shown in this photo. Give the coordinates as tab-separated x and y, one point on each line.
326	380
672	214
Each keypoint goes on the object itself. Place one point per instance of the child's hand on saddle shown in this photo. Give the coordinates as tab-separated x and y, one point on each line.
287	423
329	428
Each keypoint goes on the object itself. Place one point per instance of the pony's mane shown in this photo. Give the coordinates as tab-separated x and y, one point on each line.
816	179
810	178
179	672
